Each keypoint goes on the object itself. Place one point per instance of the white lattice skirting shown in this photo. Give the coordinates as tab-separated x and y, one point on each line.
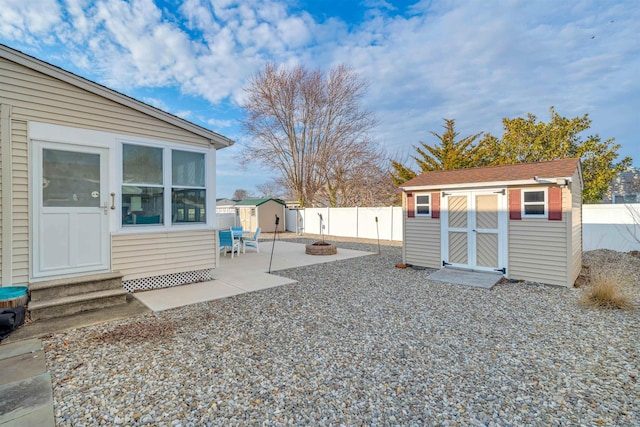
167	280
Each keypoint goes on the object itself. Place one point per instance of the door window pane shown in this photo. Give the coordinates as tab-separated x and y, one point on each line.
141	165
187	168
70	179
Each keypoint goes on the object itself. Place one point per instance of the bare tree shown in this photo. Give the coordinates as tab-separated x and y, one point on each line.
275	188
240	194
303	124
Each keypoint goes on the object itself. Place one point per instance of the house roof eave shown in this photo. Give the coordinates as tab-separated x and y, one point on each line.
492	184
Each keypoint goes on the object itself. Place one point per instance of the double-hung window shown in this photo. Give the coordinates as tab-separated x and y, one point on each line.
534	204
423	204
151	174
187	187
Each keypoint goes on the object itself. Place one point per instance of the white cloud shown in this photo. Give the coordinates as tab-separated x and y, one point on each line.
476	62
29	21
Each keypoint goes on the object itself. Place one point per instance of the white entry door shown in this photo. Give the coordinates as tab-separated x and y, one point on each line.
474	230
70	210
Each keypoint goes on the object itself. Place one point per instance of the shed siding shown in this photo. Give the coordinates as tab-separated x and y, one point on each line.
538	250
422	242
576	226
20	196
38	97
267	220
155	254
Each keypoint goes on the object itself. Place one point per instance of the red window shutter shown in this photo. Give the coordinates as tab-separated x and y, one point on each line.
515	207
555	203
411	209
435	205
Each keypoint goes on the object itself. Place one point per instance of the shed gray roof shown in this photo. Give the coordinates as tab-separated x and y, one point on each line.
562	168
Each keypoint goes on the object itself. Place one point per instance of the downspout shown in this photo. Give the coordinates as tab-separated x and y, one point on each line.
7	187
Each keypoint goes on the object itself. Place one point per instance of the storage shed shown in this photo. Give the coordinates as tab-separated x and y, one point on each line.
96	184
523	221
254	213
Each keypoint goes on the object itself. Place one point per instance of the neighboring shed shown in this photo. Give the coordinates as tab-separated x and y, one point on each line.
523	221
94	181
254	213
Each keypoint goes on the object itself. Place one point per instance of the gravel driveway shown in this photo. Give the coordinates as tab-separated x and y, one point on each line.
357	342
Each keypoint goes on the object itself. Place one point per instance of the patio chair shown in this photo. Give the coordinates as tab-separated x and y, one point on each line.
237	232
252	242
227	242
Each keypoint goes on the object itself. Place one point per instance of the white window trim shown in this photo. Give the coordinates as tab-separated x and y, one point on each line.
416	204
167	149
545	202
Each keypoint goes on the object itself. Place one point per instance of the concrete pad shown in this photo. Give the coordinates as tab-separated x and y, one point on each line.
244	273
21	347
23	366
476	279
167	298
26	400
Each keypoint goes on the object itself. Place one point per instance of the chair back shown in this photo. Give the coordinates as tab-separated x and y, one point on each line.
237	231
226	239
257	234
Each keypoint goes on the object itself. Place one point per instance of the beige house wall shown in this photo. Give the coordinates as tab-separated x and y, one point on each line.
156	254
20	197
37	97
4	141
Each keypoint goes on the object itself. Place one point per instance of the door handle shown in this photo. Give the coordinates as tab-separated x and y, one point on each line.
113	201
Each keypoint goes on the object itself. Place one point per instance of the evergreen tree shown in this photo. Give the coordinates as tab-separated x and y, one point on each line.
448	154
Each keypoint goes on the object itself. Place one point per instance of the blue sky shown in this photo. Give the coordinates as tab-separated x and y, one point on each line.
473	61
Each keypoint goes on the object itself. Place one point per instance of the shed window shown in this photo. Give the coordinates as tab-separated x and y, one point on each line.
534	203
423	204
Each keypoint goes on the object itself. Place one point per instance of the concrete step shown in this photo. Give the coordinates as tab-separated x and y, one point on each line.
66	305
51	289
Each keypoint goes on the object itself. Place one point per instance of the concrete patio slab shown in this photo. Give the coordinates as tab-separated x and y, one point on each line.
240	274
476	279
26	396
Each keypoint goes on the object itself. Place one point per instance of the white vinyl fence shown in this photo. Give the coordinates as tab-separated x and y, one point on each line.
368	223
615	227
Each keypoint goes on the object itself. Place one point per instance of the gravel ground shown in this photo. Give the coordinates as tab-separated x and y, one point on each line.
357	342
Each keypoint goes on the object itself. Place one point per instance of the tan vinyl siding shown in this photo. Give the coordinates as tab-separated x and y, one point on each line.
538	250
576	226
20	161
422	242
1	143
155	254
38	97
266	216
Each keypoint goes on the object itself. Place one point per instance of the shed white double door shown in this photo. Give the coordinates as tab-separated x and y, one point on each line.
474	230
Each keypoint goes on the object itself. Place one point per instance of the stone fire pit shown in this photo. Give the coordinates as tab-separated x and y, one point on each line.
321	248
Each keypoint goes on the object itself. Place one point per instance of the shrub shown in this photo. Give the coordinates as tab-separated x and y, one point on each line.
609	284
